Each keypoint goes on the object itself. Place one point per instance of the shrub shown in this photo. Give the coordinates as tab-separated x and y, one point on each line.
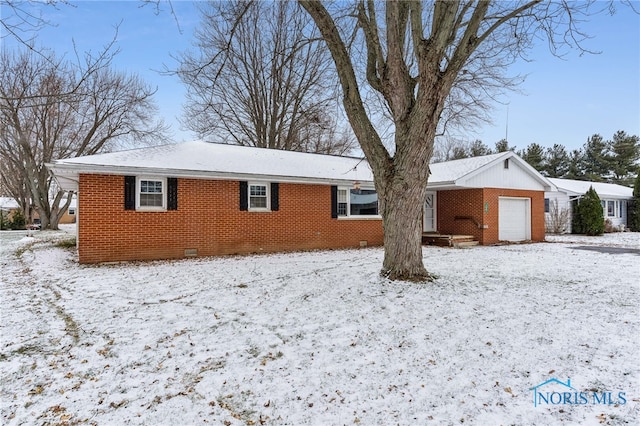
18	220
557	221
634	208
4	221
588	215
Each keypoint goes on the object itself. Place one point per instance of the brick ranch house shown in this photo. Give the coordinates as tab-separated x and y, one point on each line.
205	199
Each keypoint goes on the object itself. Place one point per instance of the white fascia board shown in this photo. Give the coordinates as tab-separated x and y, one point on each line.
442	185
568	192
67	170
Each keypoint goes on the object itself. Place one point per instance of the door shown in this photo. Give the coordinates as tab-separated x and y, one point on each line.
514	219
429	216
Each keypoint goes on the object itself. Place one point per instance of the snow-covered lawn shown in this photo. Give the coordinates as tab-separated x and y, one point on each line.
319	338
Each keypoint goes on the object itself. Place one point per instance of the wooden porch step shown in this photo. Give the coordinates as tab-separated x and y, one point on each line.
445	240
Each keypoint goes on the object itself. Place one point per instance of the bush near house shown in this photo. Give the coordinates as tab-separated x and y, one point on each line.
4	221
588	215
17	221
634	208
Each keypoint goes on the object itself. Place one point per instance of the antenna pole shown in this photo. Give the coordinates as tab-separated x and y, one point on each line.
506	127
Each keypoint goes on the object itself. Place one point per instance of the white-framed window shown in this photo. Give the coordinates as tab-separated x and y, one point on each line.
343	202
612	208
357	203
258	196
151	193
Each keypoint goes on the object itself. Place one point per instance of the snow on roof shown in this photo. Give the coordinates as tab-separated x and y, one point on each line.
8	203
579	187
451	171
222	161
202	158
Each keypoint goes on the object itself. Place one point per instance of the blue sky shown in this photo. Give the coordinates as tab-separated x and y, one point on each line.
563	101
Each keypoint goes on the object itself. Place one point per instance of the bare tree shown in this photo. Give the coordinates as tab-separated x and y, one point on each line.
557	220
51	109
259	79
21	21
417	55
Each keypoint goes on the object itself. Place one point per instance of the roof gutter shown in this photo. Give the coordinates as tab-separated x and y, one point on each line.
72	172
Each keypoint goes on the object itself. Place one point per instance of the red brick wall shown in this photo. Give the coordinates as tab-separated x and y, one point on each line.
209	220
482	205
460	202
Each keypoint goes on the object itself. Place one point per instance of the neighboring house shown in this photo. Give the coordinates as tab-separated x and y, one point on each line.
69	216
203	199
614	198
8	206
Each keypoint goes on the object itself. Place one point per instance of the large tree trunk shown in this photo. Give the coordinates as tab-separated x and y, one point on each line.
402	222
403	189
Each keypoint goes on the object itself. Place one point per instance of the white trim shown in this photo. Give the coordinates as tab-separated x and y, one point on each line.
617	208
267	186
362	216
164	194
434	213
68	175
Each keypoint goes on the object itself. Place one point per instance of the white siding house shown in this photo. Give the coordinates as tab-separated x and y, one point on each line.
614	198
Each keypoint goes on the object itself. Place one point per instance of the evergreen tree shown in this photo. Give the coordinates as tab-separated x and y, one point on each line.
477	149
634	208
625	153
557	162
4	221
597	160
588	215
534	155
458	153
18	220
503	145
575	168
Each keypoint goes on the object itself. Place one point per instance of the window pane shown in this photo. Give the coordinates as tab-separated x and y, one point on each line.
151	193
342	202
258	202
364	202
258	190
151	200
610	208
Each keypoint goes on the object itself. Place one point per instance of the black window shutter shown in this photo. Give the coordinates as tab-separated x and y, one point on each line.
244	195
129	192
172	193
275	196
334	202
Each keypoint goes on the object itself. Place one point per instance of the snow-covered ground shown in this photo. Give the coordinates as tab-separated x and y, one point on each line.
319	338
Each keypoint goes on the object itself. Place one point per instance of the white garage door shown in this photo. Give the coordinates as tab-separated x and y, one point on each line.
514	219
